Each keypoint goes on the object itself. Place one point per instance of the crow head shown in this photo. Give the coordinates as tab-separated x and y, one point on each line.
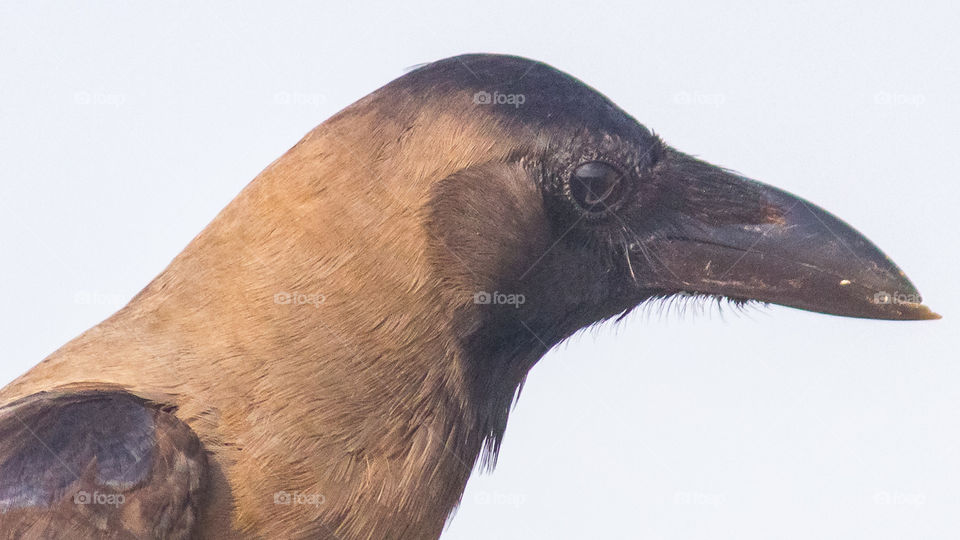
592	214
546	208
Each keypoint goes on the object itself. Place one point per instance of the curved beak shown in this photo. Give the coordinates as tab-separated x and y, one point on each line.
762	243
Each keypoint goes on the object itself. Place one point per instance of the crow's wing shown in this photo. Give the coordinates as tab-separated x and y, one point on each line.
97	464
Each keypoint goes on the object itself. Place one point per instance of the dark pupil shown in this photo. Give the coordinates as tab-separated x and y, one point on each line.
596	187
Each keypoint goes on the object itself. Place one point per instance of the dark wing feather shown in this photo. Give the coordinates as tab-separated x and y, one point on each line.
97	464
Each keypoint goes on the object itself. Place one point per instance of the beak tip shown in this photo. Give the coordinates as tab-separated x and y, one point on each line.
914	312
926	314
906	304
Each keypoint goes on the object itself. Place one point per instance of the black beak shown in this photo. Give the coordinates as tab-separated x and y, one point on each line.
727	235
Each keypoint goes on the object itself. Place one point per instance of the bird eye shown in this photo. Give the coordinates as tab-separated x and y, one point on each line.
597	187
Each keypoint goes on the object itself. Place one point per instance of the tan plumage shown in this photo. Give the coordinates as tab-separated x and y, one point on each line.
296	398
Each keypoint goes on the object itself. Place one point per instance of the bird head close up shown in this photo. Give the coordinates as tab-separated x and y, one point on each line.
534	207
358	322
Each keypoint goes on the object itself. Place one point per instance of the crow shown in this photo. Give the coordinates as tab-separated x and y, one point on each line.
338	349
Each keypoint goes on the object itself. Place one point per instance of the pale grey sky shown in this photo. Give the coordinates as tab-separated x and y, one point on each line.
125	127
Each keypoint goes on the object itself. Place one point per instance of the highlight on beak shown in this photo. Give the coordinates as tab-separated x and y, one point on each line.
785	251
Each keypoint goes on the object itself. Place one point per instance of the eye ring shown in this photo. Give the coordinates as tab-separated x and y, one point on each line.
597	188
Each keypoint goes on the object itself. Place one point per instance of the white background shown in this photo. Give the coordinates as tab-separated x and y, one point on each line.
125	128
